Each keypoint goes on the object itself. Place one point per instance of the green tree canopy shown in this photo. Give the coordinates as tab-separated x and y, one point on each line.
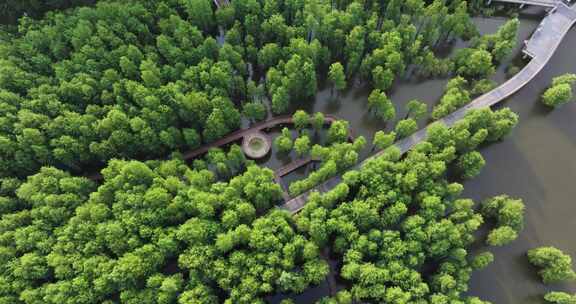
553	265
337	77
284	143
560	92
302	145
405	127
380	105
301	120
560	297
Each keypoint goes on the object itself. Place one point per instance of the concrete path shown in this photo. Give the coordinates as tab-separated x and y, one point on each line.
545	3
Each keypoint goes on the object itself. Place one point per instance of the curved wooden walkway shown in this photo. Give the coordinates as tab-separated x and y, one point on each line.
540	47
282	171
292	166
239	134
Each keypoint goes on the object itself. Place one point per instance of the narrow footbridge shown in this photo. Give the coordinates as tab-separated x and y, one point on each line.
545	3
239	134
540	48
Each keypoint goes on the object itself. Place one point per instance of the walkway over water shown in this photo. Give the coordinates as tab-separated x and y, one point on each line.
545	3
239	134
540	47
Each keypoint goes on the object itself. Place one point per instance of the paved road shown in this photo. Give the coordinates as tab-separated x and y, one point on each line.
540	47
546	3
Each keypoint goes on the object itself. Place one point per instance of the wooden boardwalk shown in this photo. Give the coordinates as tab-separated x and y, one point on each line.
292	166
239	134
540	47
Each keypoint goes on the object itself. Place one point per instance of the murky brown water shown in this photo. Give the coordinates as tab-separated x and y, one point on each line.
536	163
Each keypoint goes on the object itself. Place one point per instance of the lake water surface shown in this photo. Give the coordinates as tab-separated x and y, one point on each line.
537	163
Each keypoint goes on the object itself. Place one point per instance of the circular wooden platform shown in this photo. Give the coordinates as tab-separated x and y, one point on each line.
256	145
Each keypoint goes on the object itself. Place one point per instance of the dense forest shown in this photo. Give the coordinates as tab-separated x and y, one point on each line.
128	85
11	10
141	79
161	232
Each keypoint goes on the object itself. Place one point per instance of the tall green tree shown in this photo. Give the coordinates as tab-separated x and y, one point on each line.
200	13
560	297
284	143
254	111
416	109
470	164
380	105
301	120
318	121
554	265
383	140
405	127
337	77
338	131
215	126
560	92
280	100
302	145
